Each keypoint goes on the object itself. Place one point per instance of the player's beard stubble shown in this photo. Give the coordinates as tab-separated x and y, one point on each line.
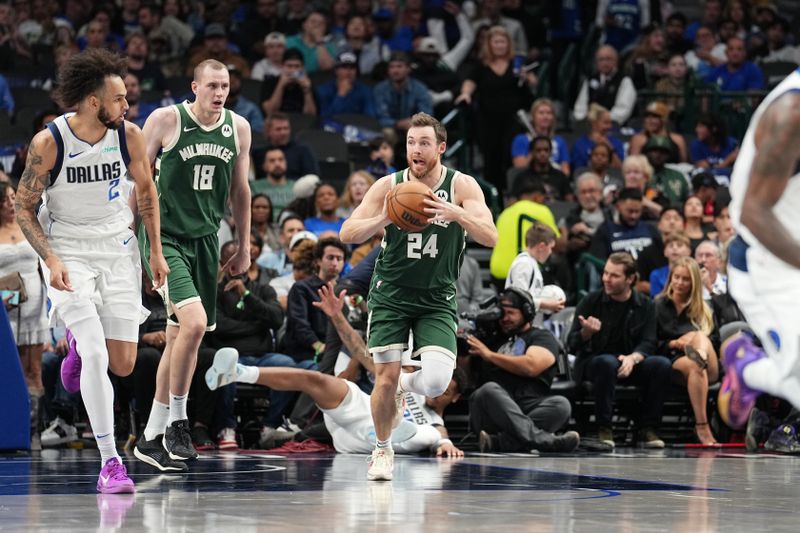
429	166
105	119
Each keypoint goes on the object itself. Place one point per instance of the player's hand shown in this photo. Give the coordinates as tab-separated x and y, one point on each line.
627	363
157	339
7	302
442	211
237	285
59	276
159	268
705	279
62	347
239	263
385	210
476	347
552	305
448	449
590	325
329	303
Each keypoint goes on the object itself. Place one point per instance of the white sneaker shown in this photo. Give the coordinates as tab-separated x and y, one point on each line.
381	465
59	432
272	437
400	405
223	370
226	439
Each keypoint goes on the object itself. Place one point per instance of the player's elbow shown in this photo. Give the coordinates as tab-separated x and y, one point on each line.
346	233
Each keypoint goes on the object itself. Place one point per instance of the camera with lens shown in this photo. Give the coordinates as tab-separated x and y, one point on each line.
483	324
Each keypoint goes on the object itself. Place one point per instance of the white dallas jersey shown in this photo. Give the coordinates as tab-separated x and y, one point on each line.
788	207
419	413
89	187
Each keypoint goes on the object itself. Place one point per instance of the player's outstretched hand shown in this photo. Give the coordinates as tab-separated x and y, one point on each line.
448	449
59	276
239	262
159	268
329	303
442	211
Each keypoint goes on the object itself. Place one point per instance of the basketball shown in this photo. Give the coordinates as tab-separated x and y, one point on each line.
406	206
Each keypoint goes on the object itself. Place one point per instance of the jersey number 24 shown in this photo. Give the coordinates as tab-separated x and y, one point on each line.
415	249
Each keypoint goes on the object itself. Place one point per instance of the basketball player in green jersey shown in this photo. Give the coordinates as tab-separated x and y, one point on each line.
201	155
414	284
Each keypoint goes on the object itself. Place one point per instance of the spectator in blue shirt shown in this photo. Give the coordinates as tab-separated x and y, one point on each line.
400	96
326	200
600	131
6	98
713	149
345	94
737	74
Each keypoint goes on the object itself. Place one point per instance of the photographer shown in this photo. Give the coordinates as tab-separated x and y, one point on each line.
291	92
513	409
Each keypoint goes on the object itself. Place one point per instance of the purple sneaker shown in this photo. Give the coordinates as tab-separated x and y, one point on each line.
114	478
71	367
736	399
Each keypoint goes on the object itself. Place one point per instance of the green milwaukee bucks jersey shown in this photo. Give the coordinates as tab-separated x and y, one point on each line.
193	174
427	259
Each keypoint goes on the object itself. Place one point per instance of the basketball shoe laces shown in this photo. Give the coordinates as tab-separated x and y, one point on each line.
117	471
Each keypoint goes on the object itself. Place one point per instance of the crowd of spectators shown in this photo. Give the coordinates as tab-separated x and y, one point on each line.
614	191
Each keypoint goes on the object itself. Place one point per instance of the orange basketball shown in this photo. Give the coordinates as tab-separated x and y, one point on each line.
406	206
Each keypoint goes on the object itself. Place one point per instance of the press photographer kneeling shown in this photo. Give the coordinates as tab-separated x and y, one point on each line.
513	410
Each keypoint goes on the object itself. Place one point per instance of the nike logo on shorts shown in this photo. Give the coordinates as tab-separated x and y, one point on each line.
448	298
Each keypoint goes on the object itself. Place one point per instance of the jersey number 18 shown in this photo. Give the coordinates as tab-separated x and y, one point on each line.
203	177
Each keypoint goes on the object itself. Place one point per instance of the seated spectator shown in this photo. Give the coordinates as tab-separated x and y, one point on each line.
271	63
513	409
150	76
248	316
241	105
280	260
707	55
512	224
367	47
648	62
434	72
625	232
656	124
778	49
356	186
291	91
600	125
614	338
262	222
738	74
543	121
97	33
277	185
396	37
600	158
723	224
525	273
674	34
300	161
399	97
671	185
215	46
637	173
138	111
652	257
541	169
301	253
684	328
712	16
694	227
381	158
587	216
704	186
676	84
317	53
607	87
345	93
326	201
676	246
169	38
709	259
713	149
306	325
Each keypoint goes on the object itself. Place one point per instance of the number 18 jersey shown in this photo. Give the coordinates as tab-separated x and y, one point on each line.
428	259
193	174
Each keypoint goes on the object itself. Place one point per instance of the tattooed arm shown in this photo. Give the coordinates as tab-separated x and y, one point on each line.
35	179
777	142
146	200
331	304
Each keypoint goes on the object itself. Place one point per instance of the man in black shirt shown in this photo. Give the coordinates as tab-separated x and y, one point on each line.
513	409
613	335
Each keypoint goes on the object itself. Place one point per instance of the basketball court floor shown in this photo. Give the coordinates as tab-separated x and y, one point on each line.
628	491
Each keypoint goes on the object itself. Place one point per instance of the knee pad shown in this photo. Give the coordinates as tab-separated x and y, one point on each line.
437	371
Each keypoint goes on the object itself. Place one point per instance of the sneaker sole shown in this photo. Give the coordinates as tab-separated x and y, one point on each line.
224	360
152	462
379	477
117	490
177	457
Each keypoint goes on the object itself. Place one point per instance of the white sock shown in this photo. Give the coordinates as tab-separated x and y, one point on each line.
107	447
157	423
177	407
383	444
246	374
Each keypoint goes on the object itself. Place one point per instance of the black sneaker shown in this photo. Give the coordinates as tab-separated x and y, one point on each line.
201	439
560	443
153	453
178	441
758	429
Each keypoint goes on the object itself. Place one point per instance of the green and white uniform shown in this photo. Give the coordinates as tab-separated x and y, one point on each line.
193	179
414	284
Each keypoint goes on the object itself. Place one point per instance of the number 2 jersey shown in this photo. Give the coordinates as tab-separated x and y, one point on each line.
87	196
193	174
428	259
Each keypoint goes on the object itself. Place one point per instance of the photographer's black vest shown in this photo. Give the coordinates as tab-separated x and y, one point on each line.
605	95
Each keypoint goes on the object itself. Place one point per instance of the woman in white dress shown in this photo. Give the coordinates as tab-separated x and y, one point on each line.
28	319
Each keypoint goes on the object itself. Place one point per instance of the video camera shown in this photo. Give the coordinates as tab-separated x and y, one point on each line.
484	323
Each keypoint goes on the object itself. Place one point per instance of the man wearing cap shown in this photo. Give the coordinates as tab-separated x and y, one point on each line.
670	183
270	64
656	122
345	94
318	51
435	71
704	186
215	46
296	266
280	260
400	96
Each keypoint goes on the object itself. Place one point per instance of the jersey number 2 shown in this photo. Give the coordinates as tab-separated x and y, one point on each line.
415	245
203	177
112	189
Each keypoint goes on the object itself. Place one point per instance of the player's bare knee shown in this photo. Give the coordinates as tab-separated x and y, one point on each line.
193	326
